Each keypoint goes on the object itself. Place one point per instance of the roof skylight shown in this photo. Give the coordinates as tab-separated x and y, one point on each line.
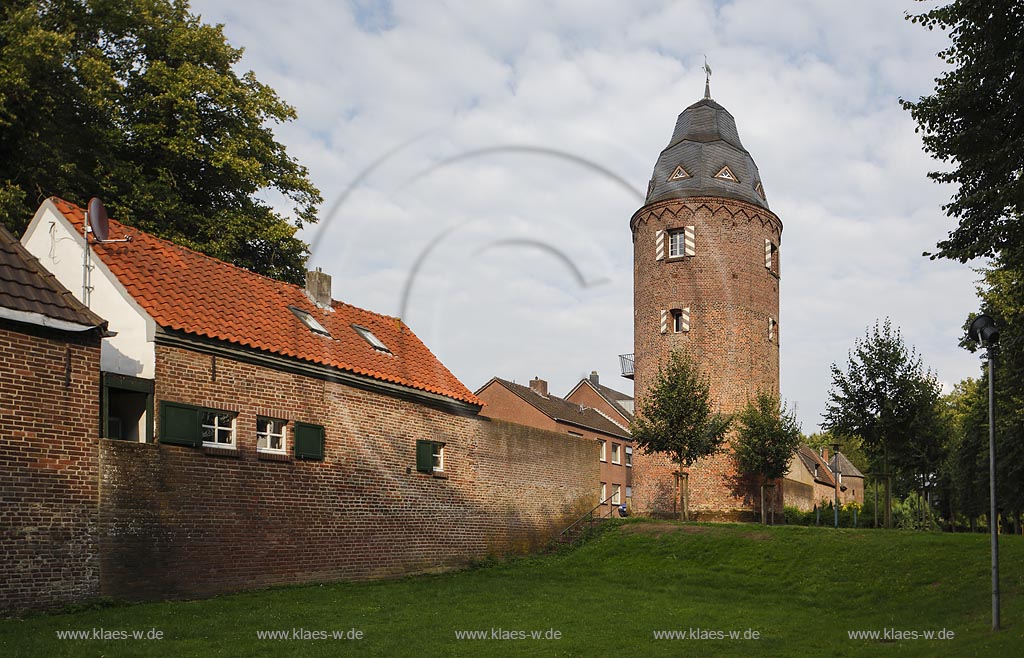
311	322
371	339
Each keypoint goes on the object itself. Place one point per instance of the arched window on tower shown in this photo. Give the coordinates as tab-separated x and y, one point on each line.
677	318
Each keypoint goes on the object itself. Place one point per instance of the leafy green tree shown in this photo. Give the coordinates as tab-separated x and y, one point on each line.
1002	297
963	479
974	122
138	102
675	418
767	435
886	398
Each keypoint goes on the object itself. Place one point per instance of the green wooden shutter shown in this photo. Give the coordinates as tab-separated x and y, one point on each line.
179	424
309	441
425	456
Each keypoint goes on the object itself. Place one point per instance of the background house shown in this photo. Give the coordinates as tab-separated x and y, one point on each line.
49	412
809	481
851	480
535	406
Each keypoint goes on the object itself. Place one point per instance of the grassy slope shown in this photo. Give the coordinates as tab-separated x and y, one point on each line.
801	588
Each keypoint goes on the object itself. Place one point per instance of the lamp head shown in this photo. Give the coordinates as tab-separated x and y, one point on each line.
983	330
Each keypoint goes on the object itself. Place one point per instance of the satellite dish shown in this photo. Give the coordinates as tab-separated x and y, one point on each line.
98	219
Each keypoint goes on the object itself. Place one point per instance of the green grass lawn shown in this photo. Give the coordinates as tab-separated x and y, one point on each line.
801	589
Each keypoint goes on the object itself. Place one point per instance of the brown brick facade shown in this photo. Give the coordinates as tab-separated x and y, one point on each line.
49	415
732	297
179	521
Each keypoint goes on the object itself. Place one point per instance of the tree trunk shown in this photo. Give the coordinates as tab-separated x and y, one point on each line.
676	494
876	502
888	491
763	519
686	496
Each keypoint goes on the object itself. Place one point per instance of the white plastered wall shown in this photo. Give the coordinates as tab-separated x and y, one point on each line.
58	246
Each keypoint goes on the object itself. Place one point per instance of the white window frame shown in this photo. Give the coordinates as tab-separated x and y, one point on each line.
604	449
269	433
629	457
218	428
616	494
616	453
438	457
676	243
604	492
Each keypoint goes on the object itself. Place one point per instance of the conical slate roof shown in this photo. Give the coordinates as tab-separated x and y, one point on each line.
706	158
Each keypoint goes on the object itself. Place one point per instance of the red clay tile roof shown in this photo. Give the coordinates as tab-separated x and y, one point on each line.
33	293
190	292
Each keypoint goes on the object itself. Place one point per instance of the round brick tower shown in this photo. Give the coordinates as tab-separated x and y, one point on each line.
705	281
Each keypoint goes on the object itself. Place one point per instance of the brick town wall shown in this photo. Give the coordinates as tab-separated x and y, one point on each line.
49	419
798	494
731	296
501	403
179	521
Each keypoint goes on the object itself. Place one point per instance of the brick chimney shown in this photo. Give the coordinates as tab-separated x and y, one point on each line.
594	379
539	386
824	455
318	288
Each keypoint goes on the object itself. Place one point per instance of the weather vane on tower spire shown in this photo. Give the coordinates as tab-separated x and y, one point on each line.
707	79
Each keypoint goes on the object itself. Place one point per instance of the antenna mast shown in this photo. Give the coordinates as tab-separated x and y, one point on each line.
97	225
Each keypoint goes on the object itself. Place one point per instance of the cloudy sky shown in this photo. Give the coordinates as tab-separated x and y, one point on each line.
480	162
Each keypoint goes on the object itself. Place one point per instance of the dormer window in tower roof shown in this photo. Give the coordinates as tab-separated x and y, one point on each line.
726	174
760	190
679	174
370	338
311	322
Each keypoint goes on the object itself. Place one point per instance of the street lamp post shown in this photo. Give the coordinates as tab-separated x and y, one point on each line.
983	330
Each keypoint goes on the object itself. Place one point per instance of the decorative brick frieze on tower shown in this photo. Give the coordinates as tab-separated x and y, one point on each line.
706	281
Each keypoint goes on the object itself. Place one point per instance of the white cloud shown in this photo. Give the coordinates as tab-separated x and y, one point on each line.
813	85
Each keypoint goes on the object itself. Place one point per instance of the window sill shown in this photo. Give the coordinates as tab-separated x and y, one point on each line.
267	456
677	259
222	452
440	475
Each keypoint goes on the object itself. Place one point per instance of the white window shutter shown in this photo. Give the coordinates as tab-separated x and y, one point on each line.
690	245
686	318
768	253
664	321
771	329
659	245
